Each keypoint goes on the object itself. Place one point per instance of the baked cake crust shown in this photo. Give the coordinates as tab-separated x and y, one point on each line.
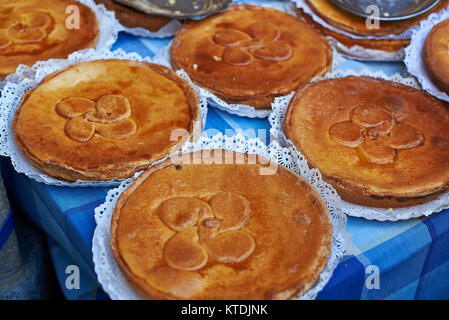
343	20
380	144
249	54
104	119
275	231
436	55
34	30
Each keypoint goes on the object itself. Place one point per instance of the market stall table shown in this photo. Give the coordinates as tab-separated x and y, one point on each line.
411	256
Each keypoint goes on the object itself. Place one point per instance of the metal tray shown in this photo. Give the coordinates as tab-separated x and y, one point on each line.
176	8
390	10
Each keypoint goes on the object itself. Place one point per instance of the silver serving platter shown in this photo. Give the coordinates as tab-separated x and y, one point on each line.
176	8
390	10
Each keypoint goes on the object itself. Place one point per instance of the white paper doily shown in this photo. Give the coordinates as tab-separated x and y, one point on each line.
303	5
108	272
276	120
414	59
27	78
163	57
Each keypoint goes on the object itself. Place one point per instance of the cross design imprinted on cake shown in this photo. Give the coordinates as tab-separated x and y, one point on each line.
108	116
261	41
22	27
206	230
376	133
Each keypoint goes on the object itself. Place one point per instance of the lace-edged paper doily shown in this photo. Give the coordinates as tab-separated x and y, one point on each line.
276	120
163	57
116	285
27	78
414	59
108	33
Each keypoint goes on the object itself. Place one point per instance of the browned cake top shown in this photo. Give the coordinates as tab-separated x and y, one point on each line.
212	230
250	54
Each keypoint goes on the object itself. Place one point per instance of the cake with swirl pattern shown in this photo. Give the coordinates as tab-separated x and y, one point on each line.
379	143
250	55
105	119
36	30
220	225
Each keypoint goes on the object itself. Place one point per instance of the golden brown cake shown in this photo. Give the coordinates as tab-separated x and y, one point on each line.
34	30
104	119
219	229
436	55
344	20
132	18
250	54
379	143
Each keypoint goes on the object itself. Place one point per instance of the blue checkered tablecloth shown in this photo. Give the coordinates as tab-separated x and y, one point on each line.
411	256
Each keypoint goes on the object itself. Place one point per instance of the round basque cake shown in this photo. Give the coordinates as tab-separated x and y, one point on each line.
34	30
436	55
132	18
344	20
250	54
379	143
221	225
104	119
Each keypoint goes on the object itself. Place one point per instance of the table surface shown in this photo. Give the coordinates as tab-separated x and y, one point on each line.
411	256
